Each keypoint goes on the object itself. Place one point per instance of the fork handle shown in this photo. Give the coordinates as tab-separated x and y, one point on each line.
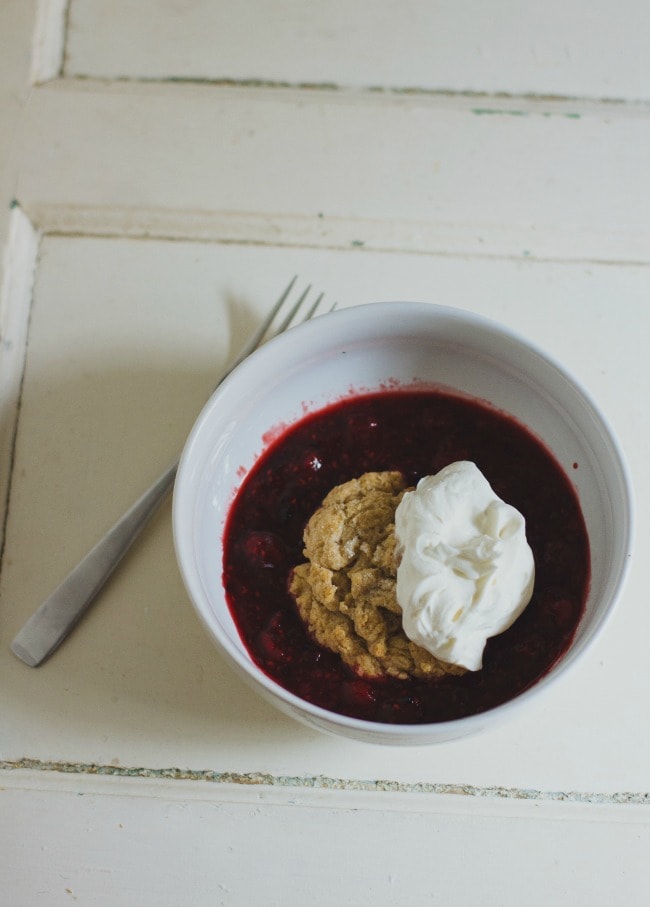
57	616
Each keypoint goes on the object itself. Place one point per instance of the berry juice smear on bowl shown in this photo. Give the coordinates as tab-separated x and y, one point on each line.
397	390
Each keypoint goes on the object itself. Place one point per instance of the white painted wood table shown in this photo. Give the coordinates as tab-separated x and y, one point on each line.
165	167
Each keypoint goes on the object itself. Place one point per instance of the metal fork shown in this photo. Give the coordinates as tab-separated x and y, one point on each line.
52	622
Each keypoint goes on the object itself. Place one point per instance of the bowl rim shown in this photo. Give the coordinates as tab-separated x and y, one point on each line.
334	721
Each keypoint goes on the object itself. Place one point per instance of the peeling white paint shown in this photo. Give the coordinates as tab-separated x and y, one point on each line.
325	783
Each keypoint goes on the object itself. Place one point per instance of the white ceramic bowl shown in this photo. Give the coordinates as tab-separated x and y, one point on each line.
361	349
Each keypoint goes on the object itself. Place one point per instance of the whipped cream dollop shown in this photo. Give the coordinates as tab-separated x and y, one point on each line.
466	571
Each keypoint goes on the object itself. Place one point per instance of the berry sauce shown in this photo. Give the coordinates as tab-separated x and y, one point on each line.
416	432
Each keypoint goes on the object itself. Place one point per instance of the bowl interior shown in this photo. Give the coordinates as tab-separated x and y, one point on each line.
389	345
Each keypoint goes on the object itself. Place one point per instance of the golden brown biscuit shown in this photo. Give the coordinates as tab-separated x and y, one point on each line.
346	591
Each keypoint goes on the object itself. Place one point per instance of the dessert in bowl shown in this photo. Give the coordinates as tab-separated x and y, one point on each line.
398	390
